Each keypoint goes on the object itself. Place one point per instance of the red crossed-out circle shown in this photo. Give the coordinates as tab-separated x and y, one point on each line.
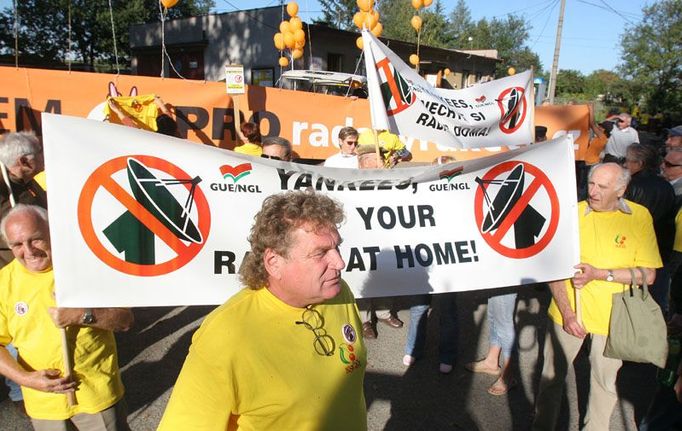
101	178
540	181
519	106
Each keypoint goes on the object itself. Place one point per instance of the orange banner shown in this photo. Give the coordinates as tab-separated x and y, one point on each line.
204	112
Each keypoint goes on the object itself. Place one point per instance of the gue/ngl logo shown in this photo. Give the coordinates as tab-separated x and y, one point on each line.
165	218
233	175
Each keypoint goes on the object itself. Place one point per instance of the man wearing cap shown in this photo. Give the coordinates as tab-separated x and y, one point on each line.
622	135
674	141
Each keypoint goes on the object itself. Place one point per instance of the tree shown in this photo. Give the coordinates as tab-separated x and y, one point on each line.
570	81
651	57
43	27
339	13
435	26
461	25
395	17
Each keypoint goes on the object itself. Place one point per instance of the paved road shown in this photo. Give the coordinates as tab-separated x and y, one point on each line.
398	398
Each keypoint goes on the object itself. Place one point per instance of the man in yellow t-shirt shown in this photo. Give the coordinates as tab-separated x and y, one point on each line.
30	320
286	352
615	236
395	150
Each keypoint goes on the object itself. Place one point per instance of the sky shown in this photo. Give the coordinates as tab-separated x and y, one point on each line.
590	37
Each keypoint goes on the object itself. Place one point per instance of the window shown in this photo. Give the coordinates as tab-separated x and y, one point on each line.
334	62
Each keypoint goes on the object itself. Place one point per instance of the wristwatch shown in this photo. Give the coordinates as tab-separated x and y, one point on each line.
88	318
609	275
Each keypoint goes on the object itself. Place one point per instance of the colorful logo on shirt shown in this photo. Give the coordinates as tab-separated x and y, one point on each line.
21	308
348	357
620	241
349	333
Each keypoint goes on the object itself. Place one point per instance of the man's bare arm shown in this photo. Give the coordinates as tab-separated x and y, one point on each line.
571	325
49	380
110	319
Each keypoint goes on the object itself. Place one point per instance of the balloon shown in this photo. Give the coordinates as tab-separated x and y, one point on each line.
417	4
283	61
358	19
378	29
292	8
358	42
414	59
295	23
284	27
297	53
289	40
371	19
447	71
300	44
169	3
511	71
365	5
427	3
416	23
279	41
299	36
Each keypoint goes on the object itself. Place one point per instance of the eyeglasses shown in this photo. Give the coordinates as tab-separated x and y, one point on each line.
667	164
265	156
351	143
314	321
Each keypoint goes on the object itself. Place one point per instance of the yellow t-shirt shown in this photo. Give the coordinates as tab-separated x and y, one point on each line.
609	240
387	140
25	322
251	367
141	109
677	245
41	180
250	149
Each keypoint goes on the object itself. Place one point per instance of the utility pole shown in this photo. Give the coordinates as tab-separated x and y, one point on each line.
557	47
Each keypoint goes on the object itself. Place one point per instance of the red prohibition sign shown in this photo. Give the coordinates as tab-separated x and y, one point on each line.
521	105
101	178
540	181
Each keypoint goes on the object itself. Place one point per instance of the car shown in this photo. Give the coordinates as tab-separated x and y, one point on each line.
324	82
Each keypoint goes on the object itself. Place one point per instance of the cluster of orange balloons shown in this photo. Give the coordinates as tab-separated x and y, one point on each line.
416	23
169	3
290	36
367	17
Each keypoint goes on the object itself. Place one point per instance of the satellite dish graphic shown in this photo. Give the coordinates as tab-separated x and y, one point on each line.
512	109
510	191
153	194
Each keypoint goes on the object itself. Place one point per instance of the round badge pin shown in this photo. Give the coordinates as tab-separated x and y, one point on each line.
21	308
349	333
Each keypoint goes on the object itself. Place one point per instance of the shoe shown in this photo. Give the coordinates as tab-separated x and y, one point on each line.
445	368
480	367
368	330
393	322
408	360
500	387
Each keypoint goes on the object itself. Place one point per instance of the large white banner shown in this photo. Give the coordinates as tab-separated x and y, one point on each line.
491	114
140	219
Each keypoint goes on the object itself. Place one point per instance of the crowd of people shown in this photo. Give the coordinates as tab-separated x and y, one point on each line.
299	363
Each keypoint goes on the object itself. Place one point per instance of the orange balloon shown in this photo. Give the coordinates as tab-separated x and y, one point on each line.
169	3
299	36
292	8
297	53
279	41
284	27
428	3
358	42
358	19
417	4
300	44
371	19
283	61
289	40
511	71
295	23
414	59
378	29
416	22
365	5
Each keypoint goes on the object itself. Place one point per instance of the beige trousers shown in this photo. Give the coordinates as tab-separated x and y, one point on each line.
561	349
112	419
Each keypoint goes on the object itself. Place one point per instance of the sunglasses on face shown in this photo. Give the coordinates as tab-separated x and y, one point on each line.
667	164
265	156
351	143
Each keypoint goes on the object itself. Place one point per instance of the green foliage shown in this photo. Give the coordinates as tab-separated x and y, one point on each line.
651	57
570	81
43	27
395	17
339	13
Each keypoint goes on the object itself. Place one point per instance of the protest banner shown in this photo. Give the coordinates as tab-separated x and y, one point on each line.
204	114
484	115
142	219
